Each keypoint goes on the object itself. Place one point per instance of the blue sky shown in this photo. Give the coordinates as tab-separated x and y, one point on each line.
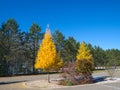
93	21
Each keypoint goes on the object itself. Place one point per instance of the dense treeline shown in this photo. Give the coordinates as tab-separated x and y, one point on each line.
18	49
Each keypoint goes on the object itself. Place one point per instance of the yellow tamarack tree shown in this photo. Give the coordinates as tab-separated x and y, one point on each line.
84	62
47	57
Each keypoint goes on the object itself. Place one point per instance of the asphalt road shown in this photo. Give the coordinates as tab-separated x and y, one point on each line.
16	83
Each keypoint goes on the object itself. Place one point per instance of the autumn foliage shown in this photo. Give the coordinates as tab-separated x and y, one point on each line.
84	62
79	72
47	56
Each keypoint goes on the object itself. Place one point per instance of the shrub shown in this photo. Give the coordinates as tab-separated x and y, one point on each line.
71	77
66	82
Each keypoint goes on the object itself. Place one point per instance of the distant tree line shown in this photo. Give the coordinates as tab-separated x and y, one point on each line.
18	49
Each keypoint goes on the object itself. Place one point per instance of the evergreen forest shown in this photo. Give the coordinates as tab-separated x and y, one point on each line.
18	49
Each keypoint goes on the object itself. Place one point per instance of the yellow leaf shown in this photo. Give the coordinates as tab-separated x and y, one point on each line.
47	57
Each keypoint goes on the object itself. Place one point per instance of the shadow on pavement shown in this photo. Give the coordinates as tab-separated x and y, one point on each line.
3	83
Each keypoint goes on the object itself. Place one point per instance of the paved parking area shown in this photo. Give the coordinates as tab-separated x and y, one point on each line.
16	83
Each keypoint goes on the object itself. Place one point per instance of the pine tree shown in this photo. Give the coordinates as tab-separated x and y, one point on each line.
84	62
35	36
47	57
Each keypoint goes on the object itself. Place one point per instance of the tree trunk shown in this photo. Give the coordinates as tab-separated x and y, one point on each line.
34	57
48	77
